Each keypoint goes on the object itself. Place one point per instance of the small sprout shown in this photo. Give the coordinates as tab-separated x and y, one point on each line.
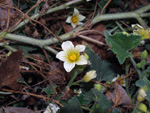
75	19
139	30
141	96
90	75
71	55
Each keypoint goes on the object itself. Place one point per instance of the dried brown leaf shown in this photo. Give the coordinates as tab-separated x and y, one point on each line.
119	96
35	34
57	74
67	28
17	110
13	15
9	71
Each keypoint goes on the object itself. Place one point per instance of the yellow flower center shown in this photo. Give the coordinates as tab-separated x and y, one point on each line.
121	81
73	57
74	19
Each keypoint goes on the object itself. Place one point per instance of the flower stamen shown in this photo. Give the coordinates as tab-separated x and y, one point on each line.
74	19
73	57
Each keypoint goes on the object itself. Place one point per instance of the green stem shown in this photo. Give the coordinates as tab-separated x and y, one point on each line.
42	43
118	24
134	64
8	47
126	80
51	49
72	79
12	49
136	107
49	11
85	108
112	30
76	83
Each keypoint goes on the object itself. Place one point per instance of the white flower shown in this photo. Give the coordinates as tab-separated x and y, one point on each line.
75	19
118	78
88	0
141	96
90	75
71	55
52	108
139	30
78	91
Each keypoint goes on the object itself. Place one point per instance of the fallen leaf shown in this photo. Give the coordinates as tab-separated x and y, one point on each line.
17	110
57	74
99	50
14	15
119	96
35	34
9	71
67	28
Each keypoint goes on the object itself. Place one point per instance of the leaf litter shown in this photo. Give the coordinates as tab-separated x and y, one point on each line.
47	79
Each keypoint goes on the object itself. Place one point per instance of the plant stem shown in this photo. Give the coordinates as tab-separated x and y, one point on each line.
118	24
49	11
85	108
76	83
136	107
72	78
104	17
51	49
134	64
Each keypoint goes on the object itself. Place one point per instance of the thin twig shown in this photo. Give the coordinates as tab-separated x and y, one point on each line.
45	78
46	55
91	40
32	94
105	6
8	17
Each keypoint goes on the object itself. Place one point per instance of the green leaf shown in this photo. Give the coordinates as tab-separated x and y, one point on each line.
102	3
86	97
105	70
73	106
121	43
102	104
144	54
49	89
21	81
141	64
145	84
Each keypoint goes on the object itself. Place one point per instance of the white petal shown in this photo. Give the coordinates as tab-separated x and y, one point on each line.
61	56
67	46
76	12
114	79
82	60
73	25
81	17
80	48
69	66
69	19
80	23
137	26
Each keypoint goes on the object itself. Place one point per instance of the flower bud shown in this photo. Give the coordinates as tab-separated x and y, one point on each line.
141	96
98	87
142	108
89	76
